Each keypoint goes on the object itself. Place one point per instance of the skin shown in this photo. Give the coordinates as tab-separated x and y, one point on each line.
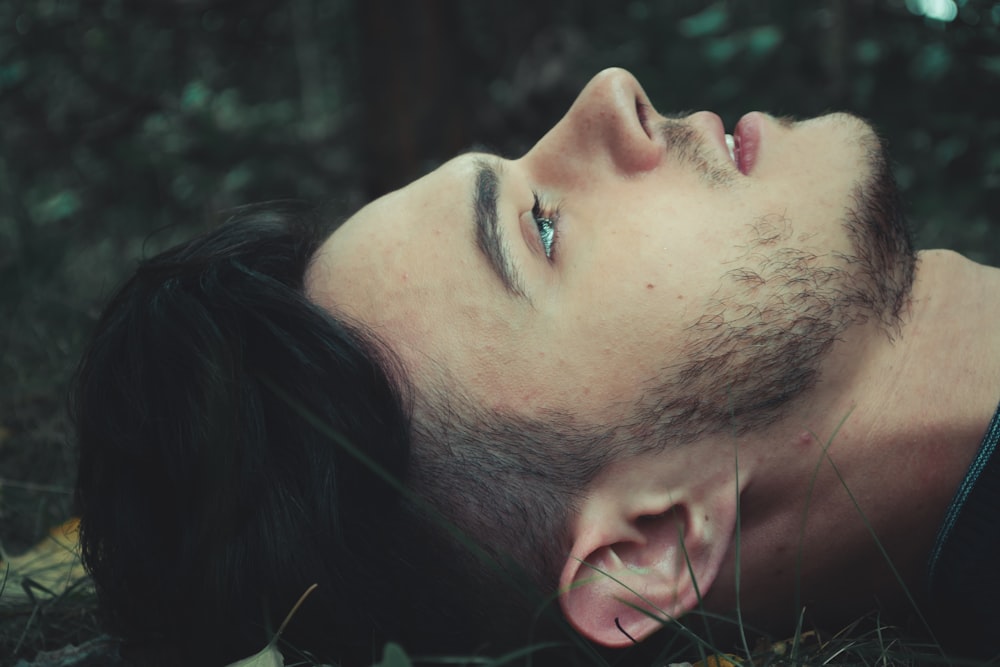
648	237
644	239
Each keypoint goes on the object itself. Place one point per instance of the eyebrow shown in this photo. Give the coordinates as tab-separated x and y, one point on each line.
489	233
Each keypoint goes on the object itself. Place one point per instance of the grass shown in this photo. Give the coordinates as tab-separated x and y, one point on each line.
53	624
867	641
29	625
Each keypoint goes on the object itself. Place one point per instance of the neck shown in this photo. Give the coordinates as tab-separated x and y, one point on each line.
877	451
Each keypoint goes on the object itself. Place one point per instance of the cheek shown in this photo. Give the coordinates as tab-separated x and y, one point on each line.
667	267
812	215
490	348
605	346
811	193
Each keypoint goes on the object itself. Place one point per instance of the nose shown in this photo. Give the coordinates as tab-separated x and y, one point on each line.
606	125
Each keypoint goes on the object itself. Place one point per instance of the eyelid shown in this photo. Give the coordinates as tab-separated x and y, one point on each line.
529	230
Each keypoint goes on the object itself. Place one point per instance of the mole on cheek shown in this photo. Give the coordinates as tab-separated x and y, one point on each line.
650	285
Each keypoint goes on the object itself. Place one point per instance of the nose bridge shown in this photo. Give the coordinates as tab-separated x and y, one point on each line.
601	128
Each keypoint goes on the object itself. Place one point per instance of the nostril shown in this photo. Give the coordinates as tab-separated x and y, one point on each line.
642	111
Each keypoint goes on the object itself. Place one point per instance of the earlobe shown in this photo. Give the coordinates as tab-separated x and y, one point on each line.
626	579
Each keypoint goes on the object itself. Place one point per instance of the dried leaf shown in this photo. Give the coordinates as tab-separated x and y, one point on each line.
270	656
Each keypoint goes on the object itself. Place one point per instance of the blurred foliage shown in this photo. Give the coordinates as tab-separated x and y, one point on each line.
125	125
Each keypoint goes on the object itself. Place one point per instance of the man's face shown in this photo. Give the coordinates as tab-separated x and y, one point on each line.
673	265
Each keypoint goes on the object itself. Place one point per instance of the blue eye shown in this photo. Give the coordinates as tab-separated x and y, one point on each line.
545	220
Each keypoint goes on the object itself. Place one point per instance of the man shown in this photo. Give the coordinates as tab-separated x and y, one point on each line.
649	366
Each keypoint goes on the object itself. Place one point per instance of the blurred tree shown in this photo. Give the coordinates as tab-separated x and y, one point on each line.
416	107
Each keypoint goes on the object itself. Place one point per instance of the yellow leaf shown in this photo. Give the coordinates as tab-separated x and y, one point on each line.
726	660
48	569
270	656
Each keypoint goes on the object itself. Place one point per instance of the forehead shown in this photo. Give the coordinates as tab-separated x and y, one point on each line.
407	267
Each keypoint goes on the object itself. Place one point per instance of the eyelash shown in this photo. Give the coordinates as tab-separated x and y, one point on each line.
546	219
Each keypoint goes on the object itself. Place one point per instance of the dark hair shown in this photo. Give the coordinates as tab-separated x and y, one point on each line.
212	489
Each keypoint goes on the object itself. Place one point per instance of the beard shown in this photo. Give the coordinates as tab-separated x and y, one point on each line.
760	342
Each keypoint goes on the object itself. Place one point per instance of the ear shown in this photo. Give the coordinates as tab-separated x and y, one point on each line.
630	570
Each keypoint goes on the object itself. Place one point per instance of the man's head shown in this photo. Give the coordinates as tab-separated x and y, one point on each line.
625	286
517	328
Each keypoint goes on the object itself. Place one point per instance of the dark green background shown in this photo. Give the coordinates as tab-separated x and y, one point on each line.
127	125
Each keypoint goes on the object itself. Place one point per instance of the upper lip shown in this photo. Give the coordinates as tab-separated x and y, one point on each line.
707	123
712	124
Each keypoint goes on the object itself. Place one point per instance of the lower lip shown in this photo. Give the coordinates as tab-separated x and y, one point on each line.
747	134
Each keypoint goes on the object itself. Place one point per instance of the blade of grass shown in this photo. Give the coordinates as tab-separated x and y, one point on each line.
738	574
882	551
805	519
694	583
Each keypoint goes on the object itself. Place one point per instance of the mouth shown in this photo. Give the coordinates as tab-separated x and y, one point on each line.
731	145
741	146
